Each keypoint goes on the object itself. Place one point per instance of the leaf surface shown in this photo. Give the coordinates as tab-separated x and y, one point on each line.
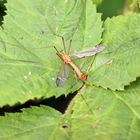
119	64
94	113
34	123
105	114
28	62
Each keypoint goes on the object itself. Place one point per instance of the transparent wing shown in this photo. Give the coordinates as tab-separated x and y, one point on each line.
88	52
63	75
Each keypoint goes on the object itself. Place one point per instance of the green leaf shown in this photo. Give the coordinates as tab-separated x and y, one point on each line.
94	113
34	123
105	114
29	71
121	65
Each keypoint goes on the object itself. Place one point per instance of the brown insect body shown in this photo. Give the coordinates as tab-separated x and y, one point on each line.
67	59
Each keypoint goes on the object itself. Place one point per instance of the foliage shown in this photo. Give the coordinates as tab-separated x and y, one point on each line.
107	104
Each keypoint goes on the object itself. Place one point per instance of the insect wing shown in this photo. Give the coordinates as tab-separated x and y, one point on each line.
88	52
63	75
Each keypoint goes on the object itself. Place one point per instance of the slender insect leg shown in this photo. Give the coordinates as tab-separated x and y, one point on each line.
57	35
63	43
69	46
88	68
90	110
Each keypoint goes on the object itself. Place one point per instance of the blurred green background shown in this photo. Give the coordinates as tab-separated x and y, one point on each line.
110	8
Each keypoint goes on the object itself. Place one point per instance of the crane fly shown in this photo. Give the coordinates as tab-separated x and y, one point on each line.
67	61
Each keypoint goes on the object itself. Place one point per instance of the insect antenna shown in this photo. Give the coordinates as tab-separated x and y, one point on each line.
56	49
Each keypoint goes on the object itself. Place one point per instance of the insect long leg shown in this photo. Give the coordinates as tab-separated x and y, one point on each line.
89	65
88	68
69	46
53	32
63	44
90	110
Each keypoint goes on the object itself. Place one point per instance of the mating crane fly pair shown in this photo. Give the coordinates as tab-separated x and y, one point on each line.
67	61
